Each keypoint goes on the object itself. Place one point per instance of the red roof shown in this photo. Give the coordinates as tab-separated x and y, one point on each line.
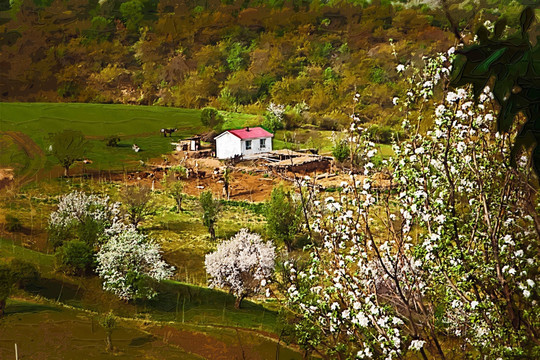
251	133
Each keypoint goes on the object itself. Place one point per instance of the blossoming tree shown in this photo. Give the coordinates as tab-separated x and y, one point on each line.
128	263
244	264
84	216
441	261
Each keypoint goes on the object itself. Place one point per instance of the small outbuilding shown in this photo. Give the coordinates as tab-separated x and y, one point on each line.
190	144
242	142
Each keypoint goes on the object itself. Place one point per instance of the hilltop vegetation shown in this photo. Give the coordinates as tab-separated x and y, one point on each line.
232	55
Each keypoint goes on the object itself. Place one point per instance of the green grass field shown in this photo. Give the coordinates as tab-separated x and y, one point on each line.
44	330
133	124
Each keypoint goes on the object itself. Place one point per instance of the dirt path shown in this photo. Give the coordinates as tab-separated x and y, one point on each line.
32	150
26	143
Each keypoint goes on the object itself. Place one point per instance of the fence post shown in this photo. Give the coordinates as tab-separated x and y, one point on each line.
183	310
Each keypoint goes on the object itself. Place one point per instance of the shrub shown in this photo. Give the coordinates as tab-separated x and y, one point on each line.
328	123
24	273
89	230
112	140
341	151
13	223
6	284
74	257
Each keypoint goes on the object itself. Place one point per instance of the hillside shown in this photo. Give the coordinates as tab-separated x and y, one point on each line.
233	55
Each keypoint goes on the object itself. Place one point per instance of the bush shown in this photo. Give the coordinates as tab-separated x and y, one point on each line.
57	236
24	273
89	231
74	258
383	134
329	123
13	223
341	151
112	140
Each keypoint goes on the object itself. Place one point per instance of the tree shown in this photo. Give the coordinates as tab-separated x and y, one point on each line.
273	119
212	119
452	250
174	189
86	217
244	264
132	12
68	146
210	211
6	283
74	257
283	216
226	181
129	263
136	200
108	322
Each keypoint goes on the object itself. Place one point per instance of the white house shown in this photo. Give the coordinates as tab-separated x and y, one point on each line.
243	142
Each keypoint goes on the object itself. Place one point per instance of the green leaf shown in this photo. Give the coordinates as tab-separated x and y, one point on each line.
484	66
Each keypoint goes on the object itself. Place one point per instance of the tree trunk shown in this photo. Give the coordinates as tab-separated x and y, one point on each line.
108	342
2	307
66	171
179	204
212	232
238	301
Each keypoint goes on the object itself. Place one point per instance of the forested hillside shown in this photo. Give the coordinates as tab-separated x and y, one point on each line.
233	55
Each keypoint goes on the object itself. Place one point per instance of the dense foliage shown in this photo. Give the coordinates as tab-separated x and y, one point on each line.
514	64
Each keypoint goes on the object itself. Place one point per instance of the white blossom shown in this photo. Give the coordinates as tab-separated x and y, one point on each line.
242	264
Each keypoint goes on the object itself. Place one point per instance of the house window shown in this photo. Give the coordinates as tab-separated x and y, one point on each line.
248	144
263	143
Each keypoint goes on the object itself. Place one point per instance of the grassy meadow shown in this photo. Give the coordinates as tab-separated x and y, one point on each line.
184	303
82	335
33	122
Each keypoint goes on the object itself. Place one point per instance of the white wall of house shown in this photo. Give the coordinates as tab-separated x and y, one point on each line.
228	146
256	146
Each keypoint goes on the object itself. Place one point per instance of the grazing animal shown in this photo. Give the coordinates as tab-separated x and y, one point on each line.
166	131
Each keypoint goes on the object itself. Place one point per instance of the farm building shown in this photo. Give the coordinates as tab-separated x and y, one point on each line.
243	142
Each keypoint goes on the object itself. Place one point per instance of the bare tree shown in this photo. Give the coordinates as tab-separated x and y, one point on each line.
137	204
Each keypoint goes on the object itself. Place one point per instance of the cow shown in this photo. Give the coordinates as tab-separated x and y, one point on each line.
166	131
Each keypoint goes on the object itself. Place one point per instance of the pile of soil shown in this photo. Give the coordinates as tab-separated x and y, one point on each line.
6	177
